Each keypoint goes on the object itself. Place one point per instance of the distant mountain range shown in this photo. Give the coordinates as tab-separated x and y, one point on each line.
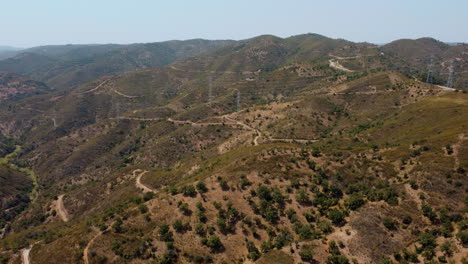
69	65
6	48
65	66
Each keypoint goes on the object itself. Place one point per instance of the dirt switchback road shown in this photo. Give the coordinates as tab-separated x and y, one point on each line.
138	183
61	210
25	255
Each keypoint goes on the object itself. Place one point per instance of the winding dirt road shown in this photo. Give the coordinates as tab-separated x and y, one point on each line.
293	140
445	88
413	194
336	65
137	119
61	210
456	149
25	254
95	88
259	134
124	95
230	72
231	122
90	243
138	183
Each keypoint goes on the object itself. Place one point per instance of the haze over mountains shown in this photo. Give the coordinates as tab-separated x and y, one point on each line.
65	66
304	149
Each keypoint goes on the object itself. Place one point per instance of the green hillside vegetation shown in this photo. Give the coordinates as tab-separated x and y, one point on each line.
258	152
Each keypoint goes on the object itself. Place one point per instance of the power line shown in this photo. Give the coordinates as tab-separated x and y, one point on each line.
54	117
117	110
451	73
210	90
429	78
238	100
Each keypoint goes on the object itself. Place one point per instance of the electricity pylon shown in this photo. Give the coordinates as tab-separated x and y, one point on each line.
429	78
451	73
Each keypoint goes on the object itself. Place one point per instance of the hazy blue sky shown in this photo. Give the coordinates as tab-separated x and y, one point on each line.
33	22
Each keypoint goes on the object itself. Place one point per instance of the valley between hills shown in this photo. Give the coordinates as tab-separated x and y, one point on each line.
304	149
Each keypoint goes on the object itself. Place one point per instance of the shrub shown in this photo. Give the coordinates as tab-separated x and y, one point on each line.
427	241
148	196
223	183
337	217
244	182
463	236
202	217
325	226
179	226
143	208
389	223
214	243
117	226
200	230
201	187
165	233
283	238
449	149
447	248
390	196
173	190
183	207
189	190
407	220
254	253
413	184
306	254
312	165
263	193
336	192
429	213
337	259
354	201
303	198
169	257
309	217
305	232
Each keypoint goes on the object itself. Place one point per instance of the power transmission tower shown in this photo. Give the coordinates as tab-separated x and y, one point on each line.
117	110
451	73
238	100
54	117
210	90
429	78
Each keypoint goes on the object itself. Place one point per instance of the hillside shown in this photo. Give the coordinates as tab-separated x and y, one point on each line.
269	150
14	86
65	66
15	185
417	54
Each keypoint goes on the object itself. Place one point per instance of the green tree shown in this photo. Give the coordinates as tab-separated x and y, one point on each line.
337	217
